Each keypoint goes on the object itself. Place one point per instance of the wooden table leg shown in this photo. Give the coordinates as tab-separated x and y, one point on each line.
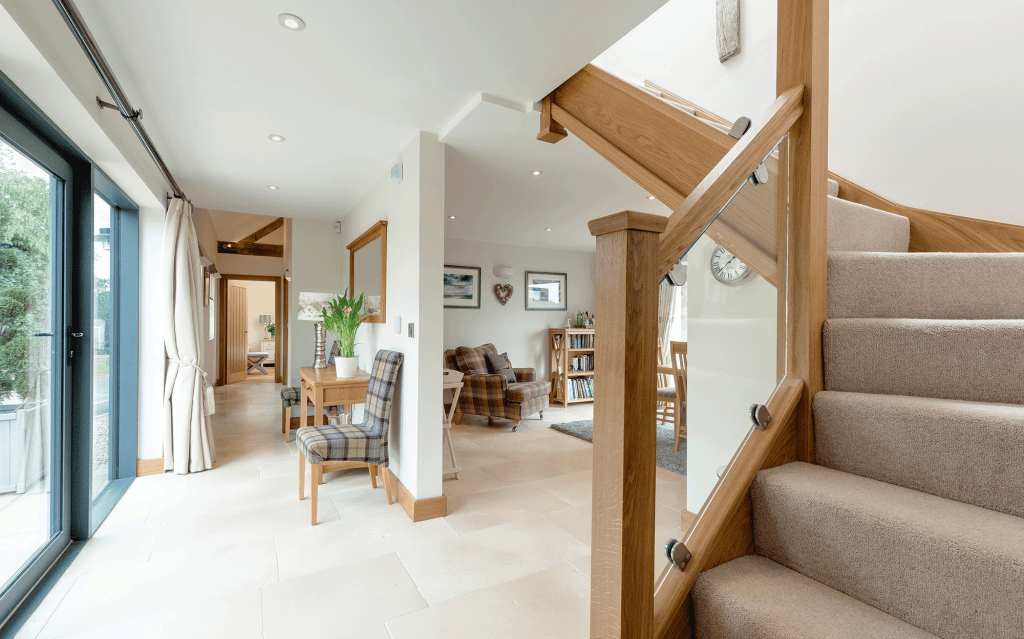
318	407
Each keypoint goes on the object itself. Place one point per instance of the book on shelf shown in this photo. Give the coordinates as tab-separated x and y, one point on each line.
583	363
581	341
581	388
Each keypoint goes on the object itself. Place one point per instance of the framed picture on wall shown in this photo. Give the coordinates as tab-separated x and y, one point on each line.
461	286
546	291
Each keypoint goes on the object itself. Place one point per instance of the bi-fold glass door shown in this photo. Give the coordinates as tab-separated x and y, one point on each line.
34	510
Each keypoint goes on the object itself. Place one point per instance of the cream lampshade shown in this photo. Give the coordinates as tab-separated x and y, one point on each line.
311	306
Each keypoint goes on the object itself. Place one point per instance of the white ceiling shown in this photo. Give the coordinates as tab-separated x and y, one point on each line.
490	188
215	78
231	226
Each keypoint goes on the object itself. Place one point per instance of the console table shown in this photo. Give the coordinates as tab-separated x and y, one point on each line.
322	387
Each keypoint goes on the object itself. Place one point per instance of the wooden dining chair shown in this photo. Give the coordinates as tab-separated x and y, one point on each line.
674	397
664	409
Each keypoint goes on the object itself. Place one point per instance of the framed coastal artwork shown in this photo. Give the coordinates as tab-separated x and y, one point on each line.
461	286
546	291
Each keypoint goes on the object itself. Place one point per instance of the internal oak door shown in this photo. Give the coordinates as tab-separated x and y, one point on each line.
238	336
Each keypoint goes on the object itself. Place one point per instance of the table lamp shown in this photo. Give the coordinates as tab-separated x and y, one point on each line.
265	319
311	306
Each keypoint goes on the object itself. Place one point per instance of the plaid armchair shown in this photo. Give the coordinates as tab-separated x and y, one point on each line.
489	394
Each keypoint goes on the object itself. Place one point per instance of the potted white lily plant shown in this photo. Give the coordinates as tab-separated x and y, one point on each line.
342	318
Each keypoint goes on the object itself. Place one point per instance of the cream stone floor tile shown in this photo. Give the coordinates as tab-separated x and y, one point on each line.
671	493
583	565
553	603
105	597
237	616
532	448
575	488
462	442
574	461
667	475
226	527
522	471
115	547
331	603
470	481
365	501
486	558
483	456
337	543
500	506
379	631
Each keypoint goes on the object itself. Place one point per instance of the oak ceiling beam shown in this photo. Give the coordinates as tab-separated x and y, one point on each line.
251	248
263	232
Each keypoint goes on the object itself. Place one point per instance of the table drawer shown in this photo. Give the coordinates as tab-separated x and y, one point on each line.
355	395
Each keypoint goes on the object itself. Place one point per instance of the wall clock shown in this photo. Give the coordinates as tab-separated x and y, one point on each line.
727	268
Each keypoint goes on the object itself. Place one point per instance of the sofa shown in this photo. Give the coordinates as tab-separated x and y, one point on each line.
488	393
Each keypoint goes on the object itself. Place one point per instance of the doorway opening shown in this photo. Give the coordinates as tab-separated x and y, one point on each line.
252	323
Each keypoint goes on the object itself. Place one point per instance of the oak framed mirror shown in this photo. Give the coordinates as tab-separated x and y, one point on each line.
368	270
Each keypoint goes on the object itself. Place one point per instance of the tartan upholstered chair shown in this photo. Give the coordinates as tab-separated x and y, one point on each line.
337	447
489	393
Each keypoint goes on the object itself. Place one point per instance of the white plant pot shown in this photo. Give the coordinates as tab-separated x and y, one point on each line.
347	366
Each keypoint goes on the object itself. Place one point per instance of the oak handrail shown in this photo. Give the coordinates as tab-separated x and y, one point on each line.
722	531
700	208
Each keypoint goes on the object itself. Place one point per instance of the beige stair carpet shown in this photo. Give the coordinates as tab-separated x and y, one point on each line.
952	569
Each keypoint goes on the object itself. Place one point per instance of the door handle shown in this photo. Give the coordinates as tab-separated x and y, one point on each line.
77	334
41	335
71	348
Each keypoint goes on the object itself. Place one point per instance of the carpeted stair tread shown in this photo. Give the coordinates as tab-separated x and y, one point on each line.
855	227
977	360
833	188
926	285
966	451
756	598
952	569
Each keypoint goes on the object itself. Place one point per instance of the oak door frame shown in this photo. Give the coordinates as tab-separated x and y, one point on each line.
222	325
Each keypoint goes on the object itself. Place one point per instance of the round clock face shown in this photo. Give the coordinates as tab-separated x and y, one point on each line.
727	268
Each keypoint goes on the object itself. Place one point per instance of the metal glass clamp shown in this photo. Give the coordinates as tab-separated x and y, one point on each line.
760	416
677	554
741	126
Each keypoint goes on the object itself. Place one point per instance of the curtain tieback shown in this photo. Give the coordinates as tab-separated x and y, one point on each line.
208	401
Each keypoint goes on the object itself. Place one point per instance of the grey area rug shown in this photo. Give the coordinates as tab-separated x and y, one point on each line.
668	459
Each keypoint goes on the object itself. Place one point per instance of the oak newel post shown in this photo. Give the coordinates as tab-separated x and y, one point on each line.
625	434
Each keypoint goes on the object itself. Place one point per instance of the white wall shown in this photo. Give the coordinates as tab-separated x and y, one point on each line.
731	364
924	95
523	334
316	268
414	211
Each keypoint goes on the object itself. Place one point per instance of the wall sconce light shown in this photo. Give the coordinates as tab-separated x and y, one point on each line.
504	272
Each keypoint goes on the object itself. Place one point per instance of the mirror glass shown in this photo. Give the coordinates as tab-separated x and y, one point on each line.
367	257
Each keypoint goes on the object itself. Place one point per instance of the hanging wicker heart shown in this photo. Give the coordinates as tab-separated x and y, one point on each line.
503	292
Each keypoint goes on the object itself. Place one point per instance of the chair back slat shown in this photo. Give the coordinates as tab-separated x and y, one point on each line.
380	392
678	351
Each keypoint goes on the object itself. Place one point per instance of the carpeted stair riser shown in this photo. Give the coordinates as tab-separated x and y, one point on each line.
855	227
755	598
952	569
967	451
926	285
833	188
976	360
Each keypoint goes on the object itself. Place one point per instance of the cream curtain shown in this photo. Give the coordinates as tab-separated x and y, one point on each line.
188	442
666	301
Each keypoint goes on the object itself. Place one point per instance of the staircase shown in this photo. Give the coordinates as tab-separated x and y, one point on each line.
911	522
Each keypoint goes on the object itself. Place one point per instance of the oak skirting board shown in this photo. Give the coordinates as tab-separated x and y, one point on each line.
420	509
145	467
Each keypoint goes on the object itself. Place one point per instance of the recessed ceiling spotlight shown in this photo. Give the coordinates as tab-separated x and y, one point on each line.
451	217
547	229
272	187
276	138
538	172
650	197
291	22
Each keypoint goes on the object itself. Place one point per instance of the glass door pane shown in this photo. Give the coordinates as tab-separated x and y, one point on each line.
30	199
103	438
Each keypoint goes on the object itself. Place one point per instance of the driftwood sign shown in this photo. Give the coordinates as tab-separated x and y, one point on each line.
728	19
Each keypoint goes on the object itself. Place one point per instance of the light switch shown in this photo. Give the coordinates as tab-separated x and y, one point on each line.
412	330
398	325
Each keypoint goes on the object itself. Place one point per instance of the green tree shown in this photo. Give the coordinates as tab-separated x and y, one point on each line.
24	273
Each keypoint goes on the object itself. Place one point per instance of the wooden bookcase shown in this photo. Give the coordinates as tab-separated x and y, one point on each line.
568	347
